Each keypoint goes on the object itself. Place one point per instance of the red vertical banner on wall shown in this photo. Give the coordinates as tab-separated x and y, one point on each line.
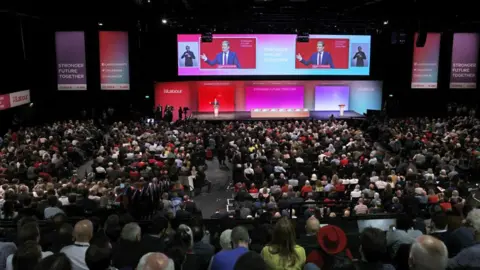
4	102
176	94
425	62
114	64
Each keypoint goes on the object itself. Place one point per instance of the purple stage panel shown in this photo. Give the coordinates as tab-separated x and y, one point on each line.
327	98
278	97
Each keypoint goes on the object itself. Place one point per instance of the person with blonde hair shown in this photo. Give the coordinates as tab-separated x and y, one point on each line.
283	252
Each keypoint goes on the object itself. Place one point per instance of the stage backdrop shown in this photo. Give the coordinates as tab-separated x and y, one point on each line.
359	96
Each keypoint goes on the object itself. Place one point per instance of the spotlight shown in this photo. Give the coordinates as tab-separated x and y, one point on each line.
385	22
100	24
391	95
164	21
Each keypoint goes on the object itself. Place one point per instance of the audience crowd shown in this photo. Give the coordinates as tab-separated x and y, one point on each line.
79	195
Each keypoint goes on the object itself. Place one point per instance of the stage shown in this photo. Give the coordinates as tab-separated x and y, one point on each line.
246	115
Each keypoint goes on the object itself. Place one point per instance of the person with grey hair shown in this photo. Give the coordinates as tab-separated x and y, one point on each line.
467	258
319	58
226	240
428	253
155	261
224	58
226	259
128	251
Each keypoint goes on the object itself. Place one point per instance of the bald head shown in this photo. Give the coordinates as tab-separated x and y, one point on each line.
83	231
155	260
428	253
312	225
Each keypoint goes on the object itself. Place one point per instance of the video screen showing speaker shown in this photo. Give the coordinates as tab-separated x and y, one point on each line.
252	54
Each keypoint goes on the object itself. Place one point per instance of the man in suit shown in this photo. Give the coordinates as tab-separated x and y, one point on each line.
216	107
360	56
189	56
320	57
226	57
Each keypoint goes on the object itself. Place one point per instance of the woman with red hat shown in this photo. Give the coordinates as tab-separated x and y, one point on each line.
333	248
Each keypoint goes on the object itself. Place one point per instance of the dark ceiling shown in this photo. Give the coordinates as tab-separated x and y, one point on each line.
253	15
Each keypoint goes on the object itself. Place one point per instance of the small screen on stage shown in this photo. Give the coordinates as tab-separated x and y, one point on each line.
425	62
464	60
278	97
251	54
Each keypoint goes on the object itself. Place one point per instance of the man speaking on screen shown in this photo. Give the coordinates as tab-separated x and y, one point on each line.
225	58
319	58
189	57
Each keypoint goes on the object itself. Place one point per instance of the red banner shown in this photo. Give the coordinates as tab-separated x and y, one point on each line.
14	99
4	102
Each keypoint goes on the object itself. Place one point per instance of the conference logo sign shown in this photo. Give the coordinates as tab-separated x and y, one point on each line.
172	91
4	102
19	98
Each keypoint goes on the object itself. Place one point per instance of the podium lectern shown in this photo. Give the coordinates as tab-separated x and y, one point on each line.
342	109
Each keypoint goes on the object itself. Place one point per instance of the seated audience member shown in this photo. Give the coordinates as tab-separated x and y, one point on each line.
203	251
155	260
27	233
98	258
180	249
438	227
309	240
155	239
360	208
83	233
6	249
403	233
282	251
332	249
373	248
468	257
356	193
250	261
128	251
428	253
27	256
52	209
226	259
55	262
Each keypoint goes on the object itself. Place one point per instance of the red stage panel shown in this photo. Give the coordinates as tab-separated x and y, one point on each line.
176	94
336	48
225	94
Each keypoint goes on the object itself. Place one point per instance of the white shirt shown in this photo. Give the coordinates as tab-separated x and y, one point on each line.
380	184
64	200
10	259
76	254
356	193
